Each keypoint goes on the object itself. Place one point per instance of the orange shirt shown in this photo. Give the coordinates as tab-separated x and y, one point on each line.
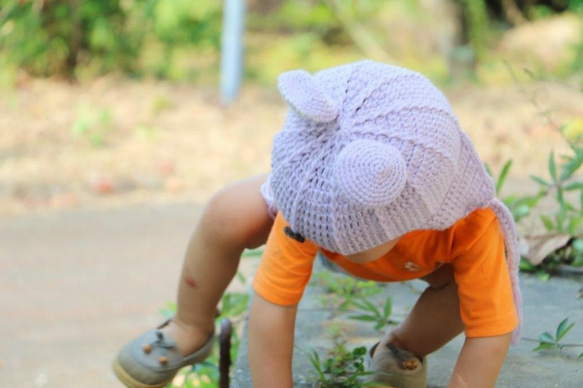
474	246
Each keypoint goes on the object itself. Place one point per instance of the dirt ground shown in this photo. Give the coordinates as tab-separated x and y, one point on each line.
115	142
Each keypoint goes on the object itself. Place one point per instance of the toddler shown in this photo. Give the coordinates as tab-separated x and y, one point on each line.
372	170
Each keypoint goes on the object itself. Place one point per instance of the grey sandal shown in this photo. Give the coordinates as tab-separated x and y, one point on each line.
152	360
394	367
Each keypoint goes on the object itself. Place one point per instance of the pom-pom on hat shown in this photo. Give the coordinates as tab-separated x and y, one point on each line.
369	152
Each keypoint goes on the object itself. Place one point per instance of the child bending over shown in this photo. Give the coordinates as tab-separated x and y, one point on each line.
372	170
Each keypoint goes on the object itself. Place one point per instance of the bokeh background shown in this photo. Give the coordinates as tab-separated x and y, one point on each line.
114	133
113	101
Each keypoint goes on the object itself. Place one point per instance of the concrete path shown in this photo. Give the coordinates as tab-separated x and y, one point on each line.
75	286
546	304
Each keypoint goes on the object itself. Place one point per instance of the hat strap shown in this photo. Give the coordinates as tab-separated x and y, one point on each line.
508	227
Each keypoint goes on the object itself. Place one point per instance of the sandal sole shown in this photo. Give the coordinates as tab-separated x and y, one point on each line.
130	382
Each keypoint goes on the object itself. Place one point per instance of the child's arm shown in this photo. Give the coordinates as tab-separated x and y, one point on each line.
271	341
480	362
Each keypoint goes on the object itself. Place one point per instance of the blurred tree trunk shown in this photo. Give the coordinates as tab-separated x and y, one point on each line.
512	13
263	6
74	39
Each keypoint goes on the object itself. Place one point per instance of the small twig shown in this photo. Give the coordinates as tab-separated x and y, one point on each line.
225	353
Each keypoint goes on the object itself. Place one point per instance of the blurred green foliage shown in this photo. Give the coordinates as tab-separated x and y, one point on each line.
180	39
52	37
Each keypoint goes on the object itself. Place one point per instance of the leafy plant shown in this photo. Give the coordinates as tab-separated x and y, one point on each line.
343	368
519	206
371	313
549	342
93	125
346	288
567	220
477	28
543	273
56	37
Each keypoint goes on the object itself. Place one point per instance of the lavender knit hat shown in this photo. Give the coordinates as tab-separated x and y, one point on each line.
369	152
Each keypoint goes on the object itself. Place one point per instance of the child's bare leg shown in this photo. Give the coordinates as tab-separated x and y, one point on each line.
234	219
434	320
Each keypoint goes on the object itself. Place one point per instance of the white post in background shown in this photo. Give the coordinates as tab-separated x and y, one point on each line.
232	49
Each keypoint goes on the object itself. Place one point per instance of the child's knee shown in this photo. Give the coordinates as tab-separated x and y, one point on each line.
236	216
220	218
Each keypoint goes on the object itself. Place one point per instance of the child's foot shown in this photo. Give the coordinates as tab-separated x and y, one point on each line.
187	338
153	359
394	367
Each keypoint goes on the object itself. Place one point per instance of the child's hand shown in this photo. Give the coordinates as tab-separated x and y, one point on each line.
271	341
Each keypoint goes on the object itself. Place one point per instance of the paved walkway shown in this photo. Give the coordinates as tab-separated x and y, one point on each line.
546	305
74	286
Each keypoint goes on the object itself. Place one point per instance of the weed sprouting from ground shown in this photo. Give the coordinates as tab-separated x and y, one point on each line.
547	341
343	368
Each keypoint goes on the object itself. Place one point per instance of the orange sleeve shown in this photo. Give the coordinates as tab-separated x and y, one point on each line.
285	268
486	302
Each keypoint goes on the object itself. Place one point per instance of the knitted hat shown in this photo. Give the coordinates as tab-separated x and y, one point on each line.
369	152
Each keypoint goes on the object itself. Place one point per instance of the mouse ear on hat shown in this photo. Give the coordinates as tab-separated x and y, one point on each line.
306	97
370	173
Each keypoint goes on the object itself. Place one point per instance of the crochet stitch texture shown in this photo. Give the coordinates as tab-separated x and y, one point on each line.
369	152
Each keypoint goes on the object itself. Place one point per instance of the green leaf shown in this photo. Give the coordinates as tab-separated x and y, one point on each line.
546	338
573	186
234	304
367	318
371	291
525	265
553	167
358	304
577	245
577	260
548	223
315	360
502	177
580	356
367	306
564	328
252	253
241	277
542	275
388	308
569	207
572	164
541	181
521	211
574	225
543	346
